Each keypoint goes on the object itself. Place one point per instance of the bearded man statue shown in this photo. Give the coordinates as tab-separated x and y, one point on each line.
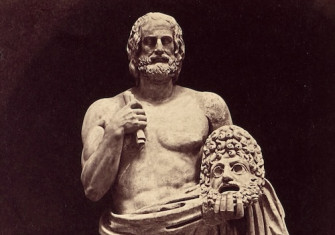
142	148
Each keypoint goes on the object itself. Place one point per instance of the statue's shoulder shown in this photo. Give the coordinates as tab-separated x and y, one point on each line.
110	104
214	107
212	98
204	97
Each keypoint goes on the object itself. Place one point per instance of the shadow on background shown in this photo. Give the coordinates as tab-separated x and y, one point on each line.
271	61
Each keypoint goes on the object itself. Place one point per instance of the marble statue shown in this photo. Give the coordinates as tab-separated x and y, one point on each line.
143	148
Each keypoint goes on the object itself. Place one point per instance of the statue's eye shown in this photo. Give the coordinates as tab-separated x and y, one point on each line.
150	41
166	40
239	169
218	171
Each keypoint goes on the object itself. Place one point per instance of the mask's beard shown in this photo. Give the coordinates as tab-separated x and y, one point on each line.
249	193
158	71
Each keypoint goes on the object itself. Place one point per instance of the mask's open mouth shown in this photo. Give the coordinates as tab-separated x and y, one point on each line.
228	187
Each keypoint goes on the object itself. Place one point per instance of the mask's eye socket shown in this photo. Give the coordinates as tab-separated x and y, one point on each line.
239	169
150	41
166	40
218	171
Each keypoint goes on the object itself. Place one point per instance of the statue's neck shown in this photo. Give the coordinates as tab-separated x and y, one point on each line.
155	92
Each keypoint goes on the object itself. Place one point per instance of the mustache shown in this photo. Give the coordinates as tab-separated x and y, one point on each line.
162	58
147	60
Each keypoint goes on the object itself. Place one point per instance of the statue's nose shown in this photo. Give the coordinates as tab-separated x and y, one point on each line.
159	47
227	177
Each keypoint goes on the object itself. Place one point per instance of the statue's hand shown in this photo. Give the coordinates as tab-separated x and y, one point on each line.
129	119
229	206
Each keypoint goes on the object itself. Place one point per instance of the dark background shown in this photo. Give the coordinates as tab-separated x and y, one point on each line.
272	61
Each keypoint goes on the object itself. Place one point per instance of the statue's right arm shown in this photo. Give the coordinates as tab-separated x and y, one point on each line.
104	126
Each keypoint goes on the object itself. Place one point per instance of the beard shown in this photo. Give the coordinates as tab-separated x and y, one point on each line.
158	69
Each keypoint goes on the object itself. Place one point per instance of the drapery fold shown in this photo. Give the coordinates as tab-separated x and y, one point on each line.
182	215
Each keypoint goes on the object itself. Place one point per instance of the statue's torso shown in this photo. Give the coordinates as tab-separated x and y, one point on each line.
170	158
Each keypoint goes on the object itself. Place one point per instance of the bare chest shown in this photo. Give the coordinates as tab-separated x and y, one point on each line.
179	127
175	133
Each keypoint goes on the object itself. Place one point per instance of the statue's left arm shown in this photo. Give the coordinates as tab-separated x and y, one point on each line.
216	111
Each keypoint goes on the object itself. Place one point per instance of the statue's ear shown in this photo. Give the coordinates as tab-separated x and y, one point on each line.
179	50
259	180
177	53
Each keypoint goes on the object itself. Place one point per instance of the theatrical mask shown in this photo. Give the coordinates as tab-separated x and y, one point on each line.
232	171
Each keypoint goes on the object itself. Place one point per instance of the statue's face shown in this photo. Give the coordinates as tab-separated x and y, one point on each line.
157	41
231	174
157	59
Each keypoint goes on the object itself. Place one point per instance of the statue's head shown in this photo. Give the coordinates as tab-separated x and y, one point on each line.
232	162
155	47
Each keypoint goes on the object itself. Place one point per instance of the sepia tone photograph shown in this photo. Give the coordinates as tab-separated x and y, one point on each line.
167	117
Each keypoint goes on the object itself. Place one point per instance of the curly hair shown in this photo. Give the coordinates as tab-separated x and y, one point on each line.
231	140
134	41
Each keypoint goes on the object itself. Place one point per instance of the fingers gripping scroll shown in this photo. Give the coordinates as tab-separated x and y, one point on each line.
140	136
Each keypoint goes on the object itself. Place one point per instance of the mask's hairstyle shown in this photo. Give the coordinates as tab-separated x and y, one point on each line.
134	41
231	140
